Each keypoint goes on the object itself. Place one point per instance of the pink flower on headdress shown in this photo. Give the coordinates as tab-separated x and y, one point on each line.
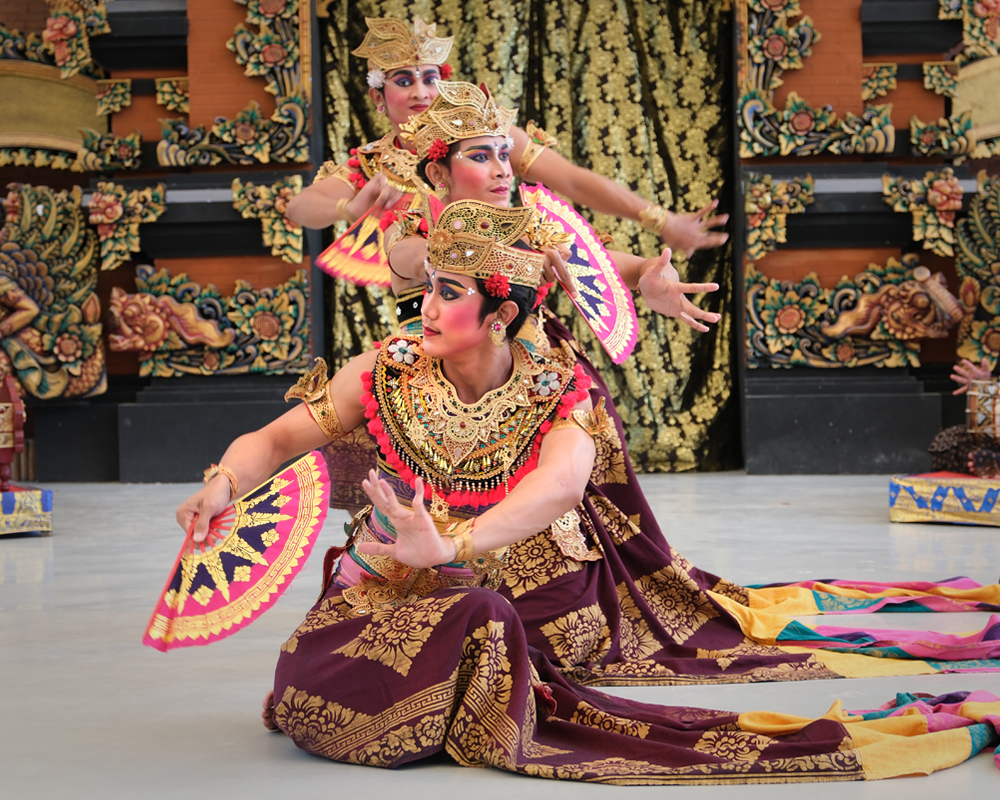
437	150
446	72
388	218
498	285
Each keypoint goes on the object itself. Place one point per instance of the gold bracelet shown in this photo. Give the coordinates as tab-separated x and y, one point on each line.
342	211
653	218
461	534
234	484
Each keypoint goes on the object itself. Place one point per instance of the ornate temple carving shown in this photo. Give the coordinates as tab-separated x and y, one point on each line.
177	327
767	203
978	266
770	43
933	202
875	319
172	94
278	51
268	204
113	95
50	317
117	214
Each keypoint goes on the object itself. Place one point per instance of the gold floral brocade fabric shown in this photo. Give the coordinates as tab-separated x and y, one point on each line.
637	90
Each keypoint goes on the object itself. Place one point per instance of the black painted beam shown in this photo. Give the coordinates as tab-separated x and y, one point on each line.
143	39
906	26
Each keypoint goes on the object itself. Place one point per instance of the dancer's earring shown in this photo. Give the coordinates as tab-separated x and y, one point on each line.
381	109
441	190
498	333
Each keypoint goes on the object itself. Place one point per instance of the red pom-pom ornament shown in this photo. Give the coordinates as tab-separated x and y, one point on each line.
388	218
498	285
437	150
446	72
541	293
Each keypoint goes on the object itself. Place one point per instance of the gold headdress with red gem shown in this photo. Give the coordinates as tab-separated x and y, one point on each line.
476	239
460	111
391	44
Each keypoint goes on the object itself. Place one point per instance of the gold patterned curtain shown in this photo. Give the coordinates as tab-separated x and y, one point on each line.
638	90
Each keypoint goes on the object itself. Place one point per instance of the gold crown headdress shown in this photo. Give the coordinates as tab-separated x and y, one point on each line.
390	44
460	111
475	239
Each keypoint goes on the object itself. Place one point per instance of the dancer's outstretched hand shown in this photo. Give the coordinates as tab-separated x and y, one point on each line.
690	232
418	543
665	294
965	372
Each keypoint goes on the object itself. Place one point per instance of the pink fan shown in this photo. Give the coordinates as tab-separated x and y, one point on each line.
603	299
253	550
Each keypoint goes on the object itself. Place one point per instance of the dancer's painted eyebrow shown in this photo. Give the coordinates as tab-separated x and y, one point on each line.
450	282
486	148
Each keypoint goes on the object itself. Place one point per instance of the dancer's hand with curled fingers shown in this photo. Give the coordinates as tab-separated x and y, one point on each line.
418	543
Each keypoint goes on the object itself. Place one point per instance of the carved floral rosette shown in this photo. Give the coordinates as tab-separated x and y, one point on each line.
173	93
268	204
770	45
877	80
951	137
179	328
767	203
50	317
933	202
272	52
875	319
108	152
940	77
113	96
117	214
65	42
978	267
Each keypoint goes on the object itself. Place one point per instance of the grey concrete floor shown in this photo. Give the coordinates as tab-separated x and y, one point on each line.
89	712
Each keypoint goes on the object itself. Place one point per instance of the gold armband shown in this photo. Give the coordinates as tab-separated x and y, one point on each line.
331	169
653	218
313	389
538	142
595	423
461	534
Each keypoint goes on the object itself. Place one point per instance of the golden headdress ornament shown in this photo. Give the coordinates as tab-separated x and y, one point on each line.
476	239
391	44
460	111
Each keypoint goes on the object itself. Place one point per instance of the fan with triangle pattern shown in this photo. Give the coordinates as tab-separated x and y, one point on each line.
252	552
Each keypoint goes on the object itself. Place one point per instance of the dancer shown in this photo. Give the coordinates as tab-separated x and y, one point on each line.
492	576
403	67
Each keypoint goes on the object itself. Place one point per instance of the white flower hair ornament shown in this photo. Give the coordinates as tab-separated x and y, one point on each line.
376	78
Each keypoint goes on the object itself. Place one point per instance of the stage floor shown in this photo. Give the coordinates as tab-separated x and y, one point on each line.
91	713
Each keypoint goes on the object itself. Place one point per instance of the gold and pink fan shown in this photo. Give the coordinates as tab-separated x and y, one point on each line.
603	299
357	256
253	551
